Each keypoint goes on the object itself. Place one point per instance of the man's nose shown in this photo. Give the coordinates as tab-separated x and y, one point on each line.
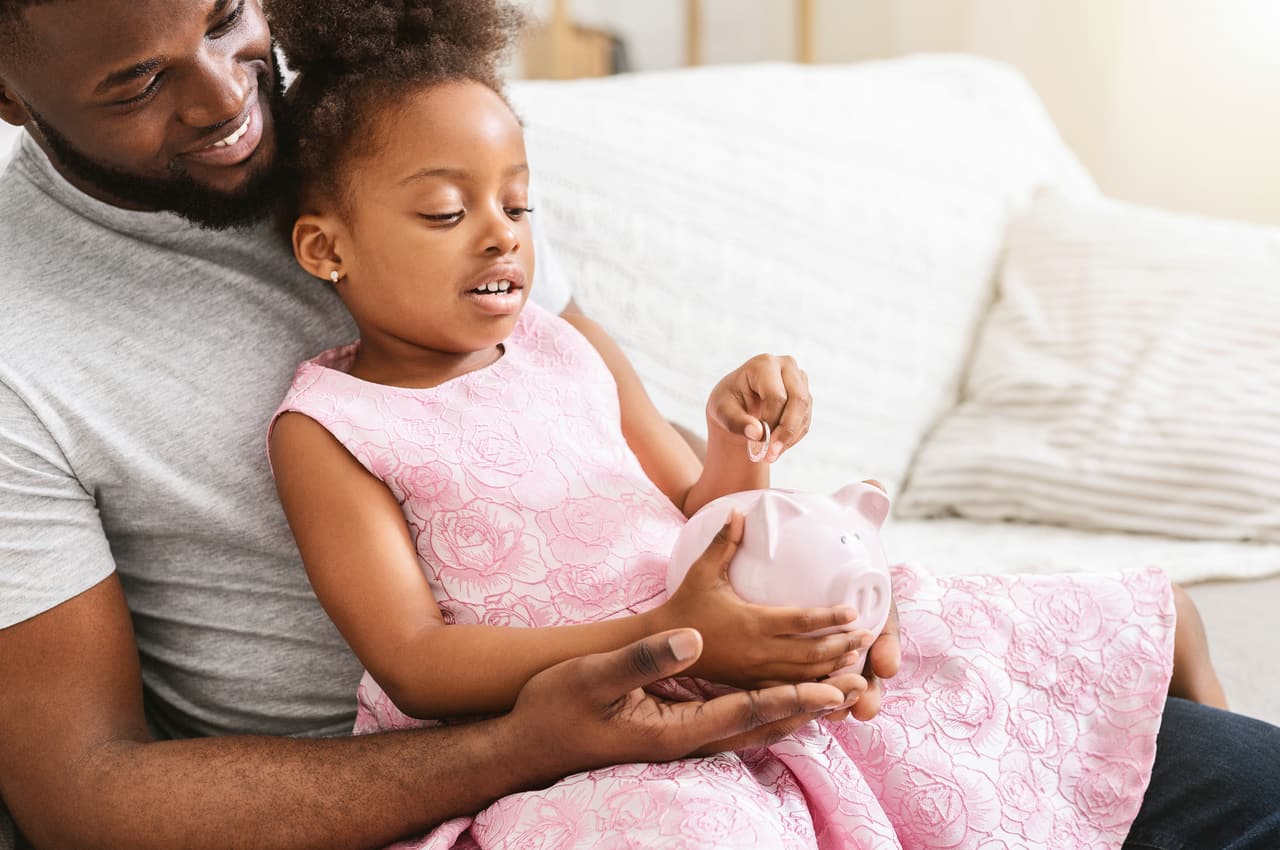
217	91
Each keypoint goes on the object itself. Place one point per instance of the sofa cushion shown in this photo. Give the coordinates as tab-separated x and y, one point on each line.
1127	379
850	215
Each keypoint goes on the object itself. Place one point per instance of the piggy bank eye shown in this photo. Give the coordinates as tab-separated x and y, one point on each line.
845	539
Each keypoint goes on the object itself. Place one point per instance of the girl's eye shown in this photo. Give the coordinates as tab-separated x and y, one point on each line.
229	22
517	213
443	218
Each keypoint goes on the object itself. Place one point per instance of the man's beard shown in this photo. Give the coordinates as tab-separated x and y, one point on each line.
180	194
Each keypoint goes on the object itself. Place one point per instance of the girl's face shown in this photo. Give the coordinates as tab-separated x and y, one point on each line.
436	247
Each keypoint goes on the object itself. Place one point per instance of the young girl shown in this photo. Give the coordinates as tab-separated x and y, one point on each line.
480	490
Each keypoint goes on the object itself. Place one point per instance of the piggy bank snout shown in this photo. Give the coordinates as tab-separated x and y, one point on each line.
869	594
866	591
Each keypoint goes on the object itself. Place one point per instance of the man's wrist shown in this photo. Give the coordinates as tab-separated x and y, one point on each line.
528	756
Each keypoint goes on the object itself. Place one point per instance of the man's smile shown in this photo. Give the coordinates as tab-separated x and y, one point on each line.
234	146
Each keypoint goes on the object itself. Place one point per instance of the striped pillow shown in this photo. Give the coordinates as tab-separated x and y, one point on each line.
1126	379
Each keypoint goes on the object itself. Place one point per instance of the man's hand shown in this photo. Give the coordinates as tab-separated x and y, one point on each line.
765	388
591	711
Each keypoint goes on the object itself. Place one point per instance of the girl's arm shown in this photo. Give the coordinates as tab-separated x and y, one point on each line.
766	388
361	561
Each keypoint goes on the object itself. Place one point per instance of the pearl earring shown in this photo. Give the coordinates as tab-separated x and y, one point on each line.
335	276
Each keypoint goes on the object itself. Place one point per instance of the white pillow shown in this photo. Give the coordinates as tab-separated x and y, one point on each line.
850	215
1127	379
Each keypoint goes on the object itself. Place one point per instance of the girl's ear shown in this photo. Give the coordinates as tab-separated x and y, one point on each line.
315	245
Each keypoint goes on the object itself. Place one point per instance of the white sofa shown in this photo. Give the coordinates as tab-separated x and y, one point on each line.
858	217
855	216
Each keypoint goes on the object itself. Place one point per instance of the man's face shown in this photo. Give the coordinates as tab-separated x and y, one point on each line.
153	104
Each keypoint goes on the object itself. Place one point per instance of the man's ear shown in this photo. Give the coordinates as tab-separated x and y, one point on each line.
12	108
315	245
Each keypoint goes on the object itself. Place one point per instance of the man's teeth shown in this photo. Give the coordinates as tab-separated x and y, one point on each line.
495	286
234	137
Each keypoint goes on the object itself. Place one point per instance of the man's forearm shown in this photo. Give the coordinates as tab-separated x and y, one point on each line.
282	793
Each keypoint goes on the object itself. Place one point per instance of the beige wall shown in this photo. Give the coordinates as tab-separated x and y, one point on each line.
1174	103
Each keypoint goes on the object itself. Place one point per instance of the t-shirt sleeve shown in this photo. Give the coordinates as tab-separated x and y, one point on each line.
551	290
52	546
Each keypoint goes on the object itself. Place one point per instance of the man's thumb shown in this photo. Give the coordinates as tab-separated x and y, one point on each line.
644	662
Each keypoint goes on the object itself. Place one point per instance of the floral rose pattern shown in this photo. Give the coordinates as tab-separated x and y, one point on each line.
1024	715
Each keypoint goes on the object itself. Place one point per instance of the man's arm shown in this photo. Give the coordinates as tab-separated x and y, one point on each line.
78	769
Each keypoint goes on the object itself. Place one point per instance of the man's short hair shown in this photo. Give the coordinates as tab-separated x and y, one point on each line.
15	38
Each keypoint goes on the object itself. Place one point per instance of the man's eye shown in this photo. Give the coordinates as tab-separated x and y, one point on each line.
229	22
144	95
517	213
443	218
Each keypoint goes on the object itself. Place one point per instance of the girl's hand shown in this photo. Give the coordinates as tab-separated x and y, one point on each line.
765	388
748	645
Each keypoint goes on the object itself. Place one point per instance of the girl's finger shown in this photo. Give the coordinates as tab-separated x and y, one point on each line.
797	415
729	410
801	621
764	378
712	565
808	658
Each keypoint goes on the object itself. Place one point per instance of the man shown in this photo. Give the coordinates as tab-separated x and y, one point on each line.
149	588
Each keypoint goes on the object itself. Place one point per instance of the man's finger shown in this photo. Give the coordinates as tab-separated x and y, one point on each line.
613	675
868	705
885	656
756	718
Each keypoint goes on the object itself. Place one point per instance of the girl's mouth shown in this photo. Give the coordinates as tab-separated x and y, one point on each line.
495	286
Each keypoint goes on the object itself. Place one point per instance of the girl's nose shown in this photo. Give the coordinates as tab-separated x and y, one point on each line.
501	238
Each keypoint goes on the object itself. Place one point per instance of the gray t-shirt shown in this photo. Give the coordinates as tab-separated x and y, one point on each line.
140	361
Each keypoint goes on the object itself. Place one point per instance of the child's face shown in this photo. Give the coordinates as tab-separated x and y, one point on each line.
438	221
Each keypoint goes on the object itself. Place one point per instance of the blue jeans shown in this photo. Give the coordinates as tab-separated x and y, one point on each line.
1215	784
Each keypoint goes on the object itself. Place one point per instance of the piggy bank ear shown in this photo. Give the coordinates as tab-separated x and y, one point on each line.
766	518
866	499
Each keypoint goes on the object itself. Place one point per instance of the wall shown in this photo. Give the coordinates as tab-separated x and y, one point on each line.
1174	103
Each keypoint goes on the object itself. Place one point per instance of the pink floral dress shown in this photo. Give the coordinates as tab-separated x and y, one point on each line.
1025	714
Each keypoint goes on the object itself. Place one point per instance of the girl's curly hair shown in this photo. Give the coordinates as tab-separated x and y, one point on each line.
354	58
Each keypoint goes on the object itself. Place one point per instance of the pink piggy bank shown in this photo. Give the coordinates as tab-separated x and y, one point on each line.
800	549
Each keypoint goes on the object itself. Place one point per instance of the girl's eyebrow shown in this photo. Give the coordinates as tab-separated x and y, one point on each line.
458	173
